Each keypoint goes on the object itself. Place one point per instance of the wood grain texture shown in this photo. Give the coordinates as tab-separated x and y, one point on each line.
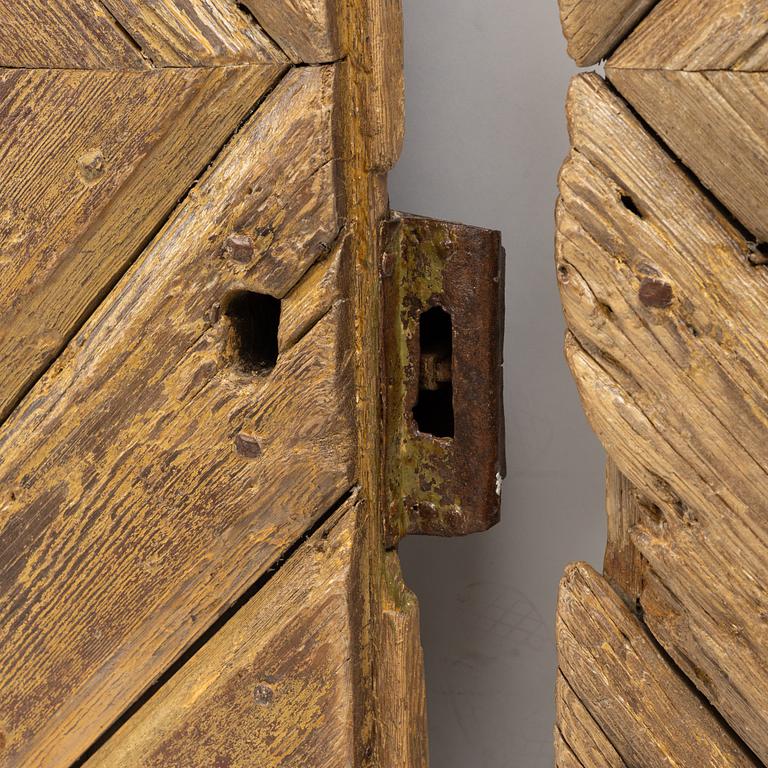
717	123
666	316
593	28
85	180
623	565
385	99
194	33
636	698
712	35
578	731
275	686
148	478
66	34
401	682
127	34
306	30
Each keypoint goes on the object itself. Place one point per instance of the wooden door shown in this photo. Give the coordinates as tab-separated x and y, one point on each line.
231	380
662	225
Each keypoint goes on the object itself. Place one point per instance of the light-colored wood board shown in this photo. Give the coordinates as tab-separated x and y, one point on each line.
85	180
623	564
717	124
306	30
66	34
402	690
385	119
711	35
148	479
666	315
196	33
638	699
275	685
593	28
589	745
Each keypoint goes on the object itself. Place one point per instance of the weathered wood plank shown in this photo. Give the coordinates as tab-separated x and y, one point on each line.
67	34
637	699
306	30
153	473
564	756
126	34
666	315
712	35
85	179
623	565
385	99
185	33
325	285
402	692
275	686
593	28
578	730
717	123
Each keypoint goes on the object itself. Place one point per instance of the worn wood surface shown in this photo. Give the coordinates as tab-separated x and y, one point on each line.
306	30
665	314
126	34
637	700
717	124
623	564
86	179
593	28
401	685
687	35
158	459
275	686
183	33
577	734
163	478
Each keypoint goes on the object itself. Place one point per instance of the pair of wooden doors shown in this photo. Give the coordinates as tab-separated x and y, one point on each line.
231	379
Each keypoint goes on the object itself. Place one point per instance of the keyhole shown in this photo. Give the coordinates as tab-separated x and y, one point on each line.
433	411
254	322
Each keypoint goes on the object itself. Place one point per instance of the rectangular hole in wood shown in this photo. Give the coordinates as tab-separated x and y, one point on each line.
433	411
254	323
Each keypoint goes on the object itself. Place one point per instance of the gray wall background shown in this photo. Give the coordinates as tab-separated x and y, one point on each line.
486	83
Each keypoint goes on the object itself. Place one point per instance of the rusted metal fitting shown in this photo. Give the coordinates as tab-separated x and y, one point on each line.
443	300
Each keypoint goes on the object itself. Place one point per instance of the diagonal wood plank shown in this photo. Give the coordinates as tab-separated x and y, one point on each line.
593	28
666	312
85	180
66	34
579	734
306	30
717	123
156	471
186	33
276	685
637	699
714	35
126	34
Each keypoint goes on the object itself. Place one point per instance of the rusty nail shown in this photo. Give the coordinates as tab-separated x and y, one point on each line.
247	446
